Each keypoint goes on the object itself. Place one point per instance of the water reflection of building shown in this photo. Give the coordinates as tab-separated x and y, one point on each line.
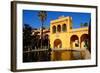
63	37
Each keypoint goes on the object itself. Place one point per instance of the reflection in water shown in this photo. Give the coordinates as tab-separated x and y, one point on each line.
70	55
56	55
76	55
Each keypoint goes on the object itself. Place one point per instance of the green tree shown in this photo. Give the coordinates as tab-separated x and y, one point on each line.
86	24
27	43
42	15
27	32
30	42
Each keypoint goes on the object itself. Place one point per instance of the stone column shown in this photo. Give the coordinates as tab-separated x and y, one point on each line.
79	42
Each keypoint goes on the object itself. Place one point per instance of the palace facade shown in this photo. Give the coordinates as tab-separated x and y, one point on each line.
64	38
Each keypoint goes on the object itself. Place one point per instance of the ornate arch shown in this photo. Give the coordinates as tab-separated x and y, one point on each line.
57	43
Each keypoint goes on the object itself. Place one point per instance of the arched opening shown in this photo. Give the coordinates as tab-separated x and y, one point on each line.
64	27
54	29
85	41
59	28
57	43
74	41
57	54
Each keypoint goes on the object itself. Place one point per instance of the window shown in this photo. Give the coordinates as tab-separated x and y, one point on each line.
54	29
64	27
59	28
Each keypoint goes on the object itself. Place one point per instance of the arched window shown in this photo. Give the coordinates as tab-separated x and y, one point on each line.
54	29
59	28
64	27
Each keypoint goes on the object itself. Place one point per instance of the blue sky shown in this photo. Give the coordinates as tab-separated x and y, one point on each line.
31	17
